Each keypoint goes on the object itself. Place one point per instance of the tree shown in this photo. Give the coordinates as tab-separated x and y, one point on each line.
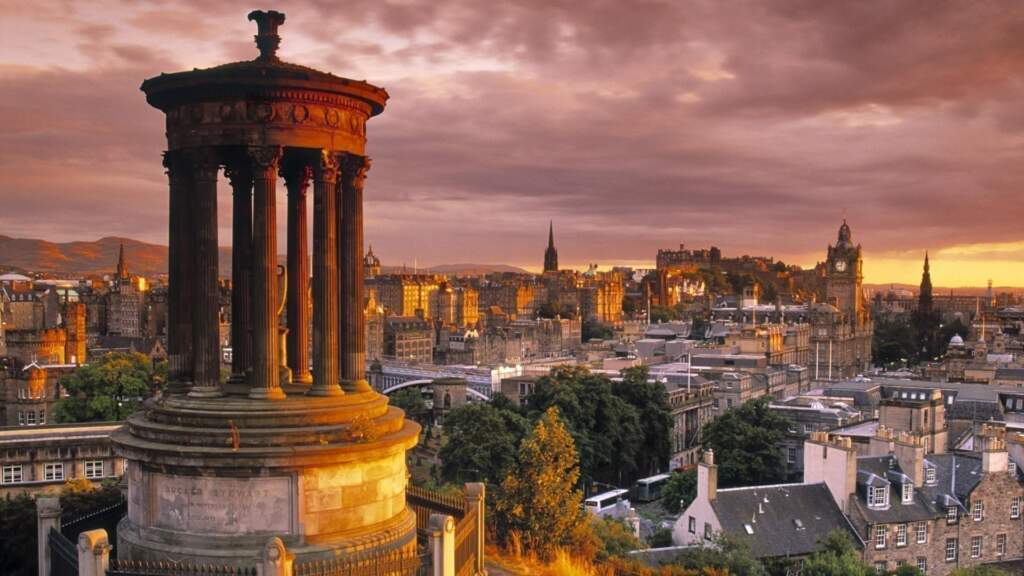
481	443
746	443
615	538
838	557
538	501
548	309
661	314
650	399
660	538
679	491
894	341
410	400
594	329
18	538
79	497
109	388
728	554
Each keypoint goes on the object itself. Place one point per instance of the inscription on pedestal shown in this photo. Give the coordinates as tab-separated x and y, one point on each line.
222	505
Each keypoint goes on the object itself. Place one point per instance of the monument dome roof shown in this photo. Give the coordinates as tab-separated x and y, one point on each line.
956	340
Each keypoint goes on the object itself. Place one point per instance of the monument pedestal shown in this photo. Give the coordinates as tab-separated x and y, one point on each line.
211	480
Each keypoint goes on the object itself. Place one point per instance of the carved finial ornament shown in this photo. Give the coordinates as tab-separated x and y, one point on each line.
267	39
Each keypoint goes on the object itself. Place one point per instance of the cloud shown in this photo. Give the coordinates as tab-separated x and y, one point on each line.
634	125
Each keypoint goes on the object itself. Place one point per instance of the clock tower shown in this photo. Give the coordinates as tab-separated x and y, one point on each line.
844	276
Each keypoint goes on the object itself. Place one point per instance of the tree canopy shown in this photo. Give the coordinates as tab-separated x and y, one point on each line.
482	439
109	388
679	491
538	502
746	443
410	400
650	399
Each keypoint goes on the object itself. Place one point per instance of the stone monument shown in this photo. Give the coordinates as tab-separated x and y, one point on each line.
217	469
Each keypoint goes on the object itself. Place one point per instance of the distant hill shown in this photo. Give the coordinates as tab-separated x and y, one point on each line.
944	290
76	259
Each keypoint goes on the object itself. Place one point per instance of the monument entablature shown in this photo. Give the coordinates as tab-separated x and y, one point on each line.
295	444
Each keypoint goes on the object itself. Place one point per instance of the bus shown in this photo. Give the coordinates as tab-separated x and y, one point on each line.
649	489
605	501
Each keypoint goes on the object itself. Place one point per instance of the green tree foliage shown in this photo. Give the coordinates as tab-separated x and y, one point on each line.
594	329
978	571
728	555
606	429
538	501
661	314
838	557
679	491
660	538
79	497
18	537
894	341
715	281
746	443
615	538
650	399
481	444
410	400
109	388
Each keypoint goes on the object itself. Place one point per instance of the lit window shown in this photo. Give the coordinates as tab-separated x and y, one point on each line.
976	547
901	535
53	471
922	532
908	493
94	469
1015	507
30	418
951	549
880	535
951	515
978	510
1001	545
11	474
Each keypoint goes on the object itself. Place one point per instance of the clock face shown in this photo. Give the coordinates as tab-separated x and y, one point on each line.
841	266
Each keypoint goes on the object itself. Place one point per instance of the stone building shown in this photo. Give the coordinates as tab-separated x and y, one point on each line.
691	410
408	338
39	460
30	394
125	302
408	294
374	327
550	253
841	327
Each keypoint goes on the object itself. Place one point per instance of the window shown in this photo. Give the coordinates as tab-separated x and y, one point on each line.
908	493
880	567
21	418
1012	468
1001	545
901	535
951	546
53	471
12	474
30	418
728	403
922	564
976	547
715	403
1015	507
922	532
978	510
791	455
94	469
878	496
880	533
693	525
42	416
707	531
951	515
929	475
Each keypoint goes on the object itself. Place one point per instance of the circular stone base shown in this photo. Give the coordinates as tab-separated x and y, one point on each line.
210	480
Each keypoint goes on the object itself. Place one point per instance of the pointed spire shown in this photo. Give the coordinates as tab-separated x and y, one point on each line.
551	254
551	233
926	267
122	265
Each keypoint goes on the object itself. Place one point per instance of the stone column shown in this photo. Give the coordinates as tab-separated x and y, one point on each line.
325	277
296	178
353	321
179	272
93	553
47	518
265	373
205	288
240	176
442	544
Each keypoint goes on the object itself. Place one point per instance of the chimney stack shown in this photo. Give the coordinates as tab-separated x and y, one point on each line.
909	451
831	461
707	476
994	457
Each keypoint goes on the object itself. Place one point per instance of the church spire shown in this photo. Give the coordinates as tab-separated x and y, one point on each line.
122	265
551	254
924	298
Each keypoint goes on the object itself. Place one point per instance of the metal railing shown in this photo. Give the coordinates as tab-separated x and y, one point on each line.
63	555
466	546
390	564
425	502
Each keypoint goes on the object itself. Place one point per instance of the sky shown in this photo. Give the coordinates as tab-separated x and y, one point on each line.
635	125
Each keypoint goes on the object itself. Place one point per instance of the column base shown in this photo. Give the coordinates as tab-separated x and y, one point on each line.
334	390
237	385
267	394
205	392
356	386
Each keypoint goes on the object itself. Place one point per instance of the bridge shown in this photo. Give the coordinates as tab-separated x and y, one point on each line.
482	381
418	383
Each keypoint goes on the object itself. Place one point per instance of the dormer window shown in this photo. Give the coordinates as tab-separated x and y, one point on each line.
878	496
951	514
929	476
1012	468
908	492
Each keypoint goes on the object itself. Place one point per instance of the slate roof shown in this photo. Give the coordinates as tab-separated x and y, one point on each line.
1010	373
784	520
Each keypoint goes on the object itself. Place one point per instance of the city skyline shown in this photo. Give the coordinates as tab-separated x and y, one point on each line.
633	129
